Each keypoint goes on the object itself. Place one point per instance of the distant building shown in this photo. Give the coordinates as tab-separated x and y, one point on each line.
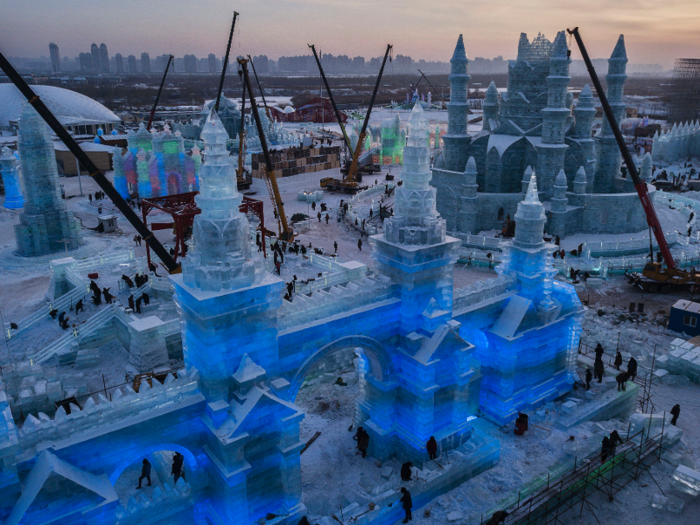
145	63
104	58
131	64
85	60
212	63
119	62
162	62
55	57
261	64
95	53
190	64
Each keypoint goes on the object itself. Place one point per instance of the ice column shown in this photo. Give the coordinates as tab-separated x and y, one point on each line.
9	170
46	226
456	140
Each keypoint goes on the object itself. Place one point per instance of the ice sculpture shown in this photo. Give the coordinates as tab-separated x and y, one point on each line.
46	225
678	143
9	172
531	345
392	143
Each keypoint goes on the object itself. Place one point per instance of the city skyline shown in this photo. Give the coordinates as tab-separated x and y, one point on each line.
654	33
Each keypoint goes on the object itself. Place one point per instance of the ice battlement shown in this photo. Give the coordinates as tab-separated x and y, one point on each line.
333	300
99	413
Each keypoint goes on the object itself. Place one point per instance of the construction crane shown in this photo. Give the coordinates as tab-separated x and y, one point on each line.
283	228
225	63
262	94
350	182
87	164
654	277
160	89
428	81
242	181
330	96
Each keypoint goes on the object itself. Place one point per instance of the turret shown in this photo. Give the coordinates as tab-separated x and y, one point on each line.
559	195
469	209
457	108
470	185
585	113
530	219
580	181
615	79
490	106
555	114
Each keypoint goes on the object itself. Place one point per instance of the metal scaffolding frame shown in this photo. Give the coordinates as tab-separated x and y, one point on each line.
684	91
574	490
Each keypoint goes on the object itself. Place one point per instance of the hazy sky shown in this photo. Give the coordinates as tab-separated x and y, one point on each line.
656	31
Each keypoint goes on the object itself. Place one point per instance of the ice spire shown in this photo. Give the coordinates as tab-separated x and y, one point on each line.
620	53
559	48
490	106
523	47
527	176
530	219
531	196
221	259
580	181
460	53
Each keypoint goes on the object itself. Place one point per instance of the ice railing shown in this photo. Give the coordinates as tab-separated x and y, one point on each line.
477	241
99	411
305	308
106	260
678	201
481	291
629	247
339	274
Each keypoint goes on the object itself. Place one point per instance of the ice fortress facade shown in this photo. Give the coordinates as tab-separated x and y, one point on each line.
428	363
536	124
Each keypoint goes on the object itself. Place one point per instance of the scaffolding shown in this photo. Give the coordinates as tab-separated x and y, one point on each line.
684	93
594	475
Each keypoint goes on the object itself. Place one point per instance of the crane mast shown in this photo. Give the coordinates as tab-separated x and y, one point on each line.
160	89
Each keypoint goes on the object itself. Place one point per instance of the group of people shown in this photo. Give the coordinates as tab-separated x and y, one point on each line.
177	470
599	369
99	195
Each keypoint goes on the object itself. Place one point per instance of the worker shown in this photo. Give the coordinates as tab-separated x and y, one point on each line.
176	471
614	440
108	296
618	360
371	212
557	240
138	305
335	246
598	370
363	442
90	197
431	447
622	379
632	368
406	471
497	518
131	302
675	412
579	249
152	267
606	449
145	472
319	216
599	351
146	298
327	218
359	244
589	376
407	504
78	306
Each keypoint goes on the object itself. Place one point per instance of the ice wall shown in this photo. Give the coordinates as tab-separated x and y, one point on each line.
46	226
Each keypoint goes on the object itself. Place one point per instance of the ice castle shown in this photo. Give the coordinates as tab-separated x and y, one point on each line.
46	226
427	364
156	165
536	124
678	144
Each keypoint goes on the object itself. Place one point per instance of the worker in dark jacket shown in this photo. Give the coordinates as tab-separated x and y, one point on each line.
406	471
598	370
614	440
497	518
675	412
606	449
431	447
632	368
622	379
599	351
618	360
145	472
589	376
407	504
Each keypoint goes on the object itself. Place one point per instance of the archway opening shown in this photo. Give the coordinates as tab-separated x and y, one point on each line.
332	394
163	461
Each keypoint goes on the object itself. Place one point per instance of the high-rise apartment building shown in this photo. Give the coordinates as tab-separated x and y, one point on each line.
131	65
145	63
212	63
95	54
119	62
190	64
55	57
104	58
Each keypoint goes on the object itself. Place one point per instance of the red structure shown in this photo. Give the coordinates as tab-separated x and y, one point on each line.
183	208
317	110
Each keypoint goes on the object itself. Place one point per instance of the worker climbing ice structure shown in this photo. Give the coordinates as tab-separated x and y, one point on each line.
46	226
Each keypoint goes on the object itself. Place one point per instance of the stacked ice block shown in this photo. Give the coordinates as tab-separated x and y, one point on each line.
683	359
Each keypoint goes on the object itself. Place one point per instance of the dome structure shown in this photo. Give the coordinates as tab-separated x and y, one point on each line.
72	109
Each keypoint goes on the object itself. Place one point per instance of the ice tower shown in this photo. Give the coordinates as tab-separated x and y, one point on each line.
530	353
9	172
608	167
432	396
46	226
456	140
